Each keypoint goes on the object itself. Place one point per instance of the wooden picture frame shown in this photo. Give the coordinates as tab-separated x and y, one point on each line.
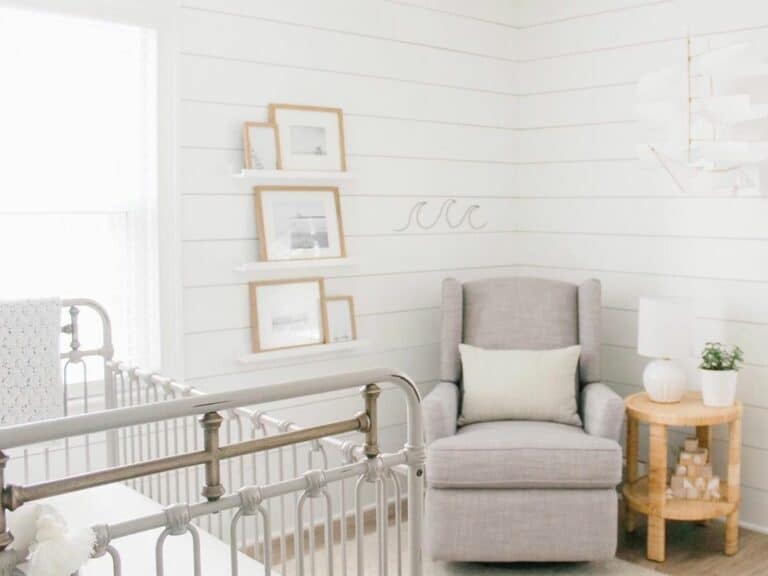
288	160
257	319
248	145
272	233
330	320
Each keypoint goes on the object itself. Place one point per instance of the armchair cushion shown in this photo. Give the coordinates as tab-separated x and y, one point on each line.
519	385
523	454
603	411
440	408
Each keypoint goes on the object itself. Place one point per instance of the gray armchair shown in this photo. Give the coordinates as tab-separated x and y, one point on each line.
516	490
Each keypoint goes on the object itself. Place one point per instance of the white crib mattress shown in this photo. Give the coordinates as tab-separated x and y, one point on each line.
116	503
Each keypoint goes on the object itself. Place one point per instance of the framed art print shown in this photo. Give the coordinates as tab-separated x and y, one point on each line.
340	313
299	223
260	144
287	314
309	137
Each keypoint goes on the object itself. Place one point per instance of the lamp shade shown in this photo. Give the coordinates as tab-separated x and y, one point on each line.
664	328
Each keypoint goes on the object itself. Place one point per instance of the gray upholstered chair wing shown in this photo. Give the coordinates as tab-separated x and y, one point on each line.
503	491
520	313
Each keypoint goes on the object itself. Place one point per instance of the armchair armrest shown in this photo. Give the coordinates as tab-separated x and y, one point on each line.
603	411
440	409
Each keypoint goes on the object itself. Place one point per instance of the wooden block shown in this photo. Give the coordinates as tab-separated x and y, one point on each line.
692	470
691	444
700	484
681	470
692	493
700	457
705	470
713	487
677	487
686	457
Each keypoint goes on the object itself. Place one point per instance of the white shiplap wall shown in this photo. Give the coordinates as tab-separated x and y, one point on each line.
596	212
428	114
524	108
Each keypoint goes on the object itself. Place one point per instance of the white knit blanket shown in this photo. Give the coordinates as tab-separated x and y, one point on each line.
30	373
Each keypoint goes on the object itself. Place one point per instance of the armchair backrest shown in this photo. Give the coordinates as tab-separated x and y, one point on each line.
520	313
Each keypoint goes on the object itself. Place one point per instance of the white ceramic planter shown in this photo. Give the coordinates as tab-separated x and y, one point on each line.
718	387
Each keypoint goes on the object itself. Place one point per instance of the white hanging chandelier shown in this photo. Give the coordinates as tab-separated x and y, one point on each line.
699	116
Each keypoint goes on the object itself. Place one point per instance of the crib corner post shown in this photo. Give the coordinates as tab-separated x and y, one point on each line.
5	535
211	423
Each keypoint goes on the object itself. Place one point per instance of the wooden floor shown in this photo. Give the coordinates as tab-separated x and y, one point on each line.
697	550
692	549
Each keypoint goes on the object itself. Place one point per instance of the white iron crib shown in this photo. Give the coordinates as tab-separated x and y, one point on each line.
293	498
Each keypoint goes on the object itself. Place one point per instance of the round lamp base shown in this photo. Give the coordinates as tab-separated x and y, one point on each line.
664	381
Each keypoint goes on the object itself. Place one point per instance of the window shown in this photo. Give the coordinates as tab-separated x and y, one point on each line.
78	169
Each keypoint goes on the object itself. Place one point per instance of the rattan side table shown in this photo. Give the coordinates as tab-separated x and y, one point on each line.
646	494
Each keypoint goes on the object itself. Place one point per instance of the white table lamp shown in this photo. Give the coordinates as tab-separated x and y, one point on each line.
664	329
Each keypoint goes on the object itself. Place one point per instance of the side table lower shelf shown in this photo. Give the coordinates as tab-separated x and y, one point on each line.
636	497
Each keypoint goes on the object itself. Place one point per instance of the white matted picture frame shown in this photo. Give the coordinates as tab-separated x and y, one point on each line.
287	314
299	222
340	315
261	146
309	137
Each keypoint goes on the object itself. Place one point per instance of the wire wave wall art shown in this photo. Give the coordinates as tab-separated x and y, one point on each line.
416	217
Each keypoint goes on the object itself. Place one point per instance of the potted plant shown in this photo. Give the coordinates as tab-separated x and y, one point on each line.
719	373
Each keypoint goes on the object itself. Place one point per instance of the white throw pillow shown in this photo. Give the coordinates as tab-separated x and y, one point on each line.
519	384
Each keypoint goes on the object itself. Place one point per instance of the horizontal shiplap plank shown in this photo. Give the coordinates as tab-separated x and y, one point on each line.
501	12
257	84
380	20
624	366
213	262
712	298
637	23
220	126
705	218
225	307
643	23
234	37
209	171
388	331
362	216
620	328
544	13
580	70
419	363
210	263
611	103
370	215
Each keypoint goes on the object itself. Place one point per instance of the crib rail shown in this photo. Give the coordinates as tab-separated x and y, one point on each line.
177	520
264	479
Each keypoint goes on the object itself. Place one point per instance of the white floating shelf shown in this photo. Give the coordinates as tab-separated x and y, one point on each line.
288	269
294	176
318	352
